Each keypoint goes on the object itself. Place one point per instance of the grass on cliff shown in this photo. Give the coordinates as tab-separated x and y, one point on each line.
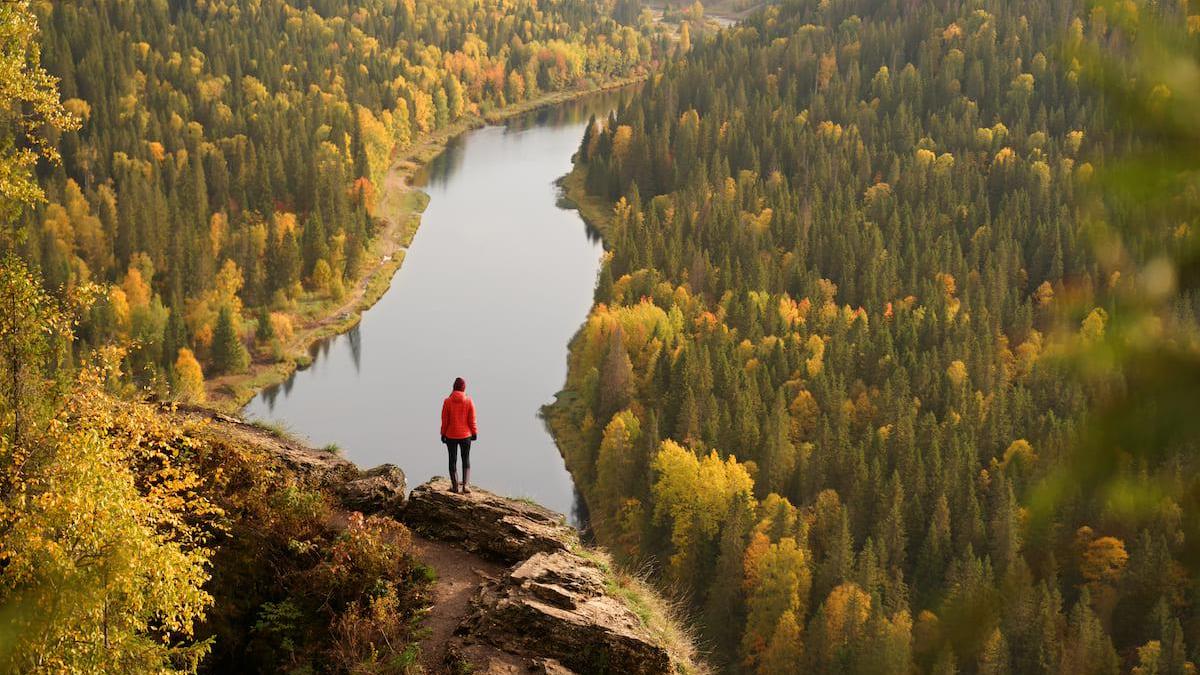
664	620
273	427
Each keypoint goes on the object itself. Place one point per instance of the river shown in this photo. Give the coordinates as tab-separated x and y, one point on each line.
497	280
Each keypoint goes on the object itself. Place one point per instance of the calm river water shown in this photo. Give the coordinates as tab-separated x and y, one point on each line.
498	279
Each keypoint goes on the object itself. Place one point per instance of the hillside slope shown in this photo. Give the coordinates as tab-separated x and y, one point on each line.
499	585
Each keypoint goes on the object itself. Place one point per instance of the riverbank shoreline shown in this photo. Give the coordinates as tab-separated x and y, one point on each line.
399	208
596	213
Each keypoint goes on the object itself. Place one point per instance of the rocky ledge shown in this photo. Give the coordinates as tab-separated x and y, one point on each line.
380	490
551	611
555	607
497	528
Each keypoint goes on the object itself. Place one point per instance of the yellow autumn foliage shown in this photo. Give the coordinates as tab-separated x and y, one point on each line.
102	565
1019	450
816	359
1103	560
190	378
957	372
692	495
846	611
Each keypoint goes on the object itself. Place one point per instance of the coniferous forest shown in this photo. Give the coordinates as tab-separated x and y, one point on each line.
893	364
830	391
229	156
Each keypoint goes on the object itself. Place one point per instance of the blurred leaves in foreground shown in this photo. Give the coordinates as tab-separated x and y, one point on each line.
1133	452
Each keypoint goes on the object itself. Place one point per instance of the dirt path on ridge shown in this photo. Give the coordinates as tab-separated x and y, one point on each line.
459	576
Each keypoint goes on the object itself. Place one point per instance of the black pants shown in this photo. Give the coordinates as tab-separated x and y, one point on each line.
452	446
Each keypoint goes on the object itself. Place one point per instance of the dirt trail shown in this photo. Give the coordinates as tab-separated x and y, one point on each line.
459	576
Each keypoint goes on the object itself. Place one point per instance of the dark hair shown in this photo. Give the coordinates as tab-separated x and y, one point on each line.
460	384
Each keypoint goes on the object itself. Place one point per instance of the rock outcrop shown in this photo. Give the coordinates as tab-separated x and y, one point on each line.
500	529
551	611
555	606
379	490
546	604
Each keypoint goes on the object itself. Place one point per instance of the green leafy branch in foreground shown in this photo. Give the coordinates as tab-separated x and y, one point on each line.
1149	75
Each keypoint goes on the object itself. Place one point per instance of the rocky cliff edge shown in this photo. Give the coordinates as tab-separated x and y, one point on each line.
555	606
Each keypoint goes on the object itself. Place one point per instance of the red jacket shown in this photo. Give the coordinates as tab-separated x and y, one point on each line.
458	416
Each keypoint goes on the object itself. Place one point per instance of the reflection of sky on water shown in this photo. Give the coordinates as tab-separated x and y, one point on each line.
498	279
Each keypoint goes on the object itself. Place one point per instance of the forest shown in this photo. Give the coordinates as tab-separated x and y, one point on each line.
894	355
178	181
223	179
893	364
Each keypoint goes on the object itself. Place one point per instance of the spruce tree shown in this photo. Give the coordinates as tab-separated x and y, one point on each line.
265	331
228	353
616	378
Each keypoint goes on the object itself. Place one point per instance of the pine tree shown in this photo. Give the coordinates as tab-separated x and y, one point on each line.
604	287
725	608
229	355
1172	651
1088	648
993	660
779	455
264	331
589	135
785	649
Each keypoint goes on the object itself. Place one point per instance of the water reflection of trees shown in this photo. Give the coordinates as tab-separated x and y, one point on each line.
269	395
354	338
572	112
317	351
439	170
441	167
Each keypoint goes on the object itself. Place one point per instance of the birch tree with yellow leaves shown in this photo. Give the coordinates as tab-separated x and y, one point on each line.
102	539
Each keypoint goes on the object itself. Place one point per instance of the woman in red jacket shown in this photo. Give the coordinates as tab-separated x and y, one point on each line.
458	430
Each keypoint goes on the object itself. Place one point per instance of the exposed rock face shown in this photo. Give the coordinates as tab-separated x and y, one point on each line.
504	530
554	605
379	490
550	611
481	659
